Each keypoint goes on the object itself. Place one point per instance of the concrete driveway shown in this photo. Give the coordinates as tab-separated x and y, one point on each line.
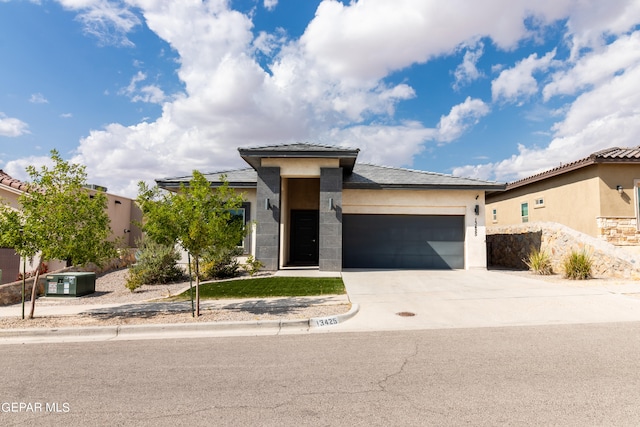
479	298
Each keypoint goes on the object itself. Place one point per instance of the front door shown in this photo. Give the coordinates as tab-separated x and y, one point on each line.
304	237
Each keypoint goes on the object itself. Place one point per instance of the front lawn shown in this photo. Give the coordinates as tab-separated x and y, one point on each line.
270	287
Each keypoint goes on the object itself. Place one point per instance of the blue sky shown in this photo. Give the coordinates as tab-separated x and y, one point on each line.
143	89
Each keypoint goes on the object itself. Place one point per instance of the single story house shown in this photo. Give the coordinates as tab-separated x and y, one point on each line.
314	205
598	195
123	212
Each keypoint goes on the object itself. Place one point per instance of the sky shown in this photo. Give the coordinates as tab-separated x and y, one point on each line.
138	90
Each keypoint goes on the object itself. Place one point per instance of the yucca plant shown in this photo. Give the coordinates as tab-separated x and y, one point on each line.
539	262
577	266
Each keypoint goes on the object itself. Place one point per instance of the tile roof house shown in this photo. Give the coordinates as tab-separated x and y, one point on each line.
314	205
123	213
598	195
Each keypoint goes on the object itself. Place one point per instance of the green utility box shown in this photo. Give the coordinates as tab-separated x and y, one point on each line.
70	284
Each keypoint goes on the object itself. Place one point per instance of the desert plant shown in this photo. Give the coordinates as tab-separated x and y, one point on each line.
538	262
252	266
220	263
577	266
156	264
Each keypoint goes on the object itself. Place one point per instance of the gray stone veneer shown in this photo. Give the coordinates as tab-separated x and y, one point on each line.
268	220
330	219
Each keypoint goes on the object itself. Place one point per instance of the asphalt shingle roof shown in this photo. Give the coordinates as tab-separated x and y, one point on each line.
364	176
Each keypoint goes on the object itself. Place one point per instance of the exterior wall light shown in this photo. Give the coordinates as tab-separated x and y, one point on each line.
331	206
619	188
267	205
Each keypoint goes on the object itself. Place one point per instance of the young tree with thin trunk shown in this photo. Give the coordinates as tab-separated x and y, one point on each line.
197	218
59	218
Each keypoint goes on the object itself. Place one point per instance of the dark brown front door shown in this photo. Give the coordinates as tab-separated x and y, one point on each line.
304	237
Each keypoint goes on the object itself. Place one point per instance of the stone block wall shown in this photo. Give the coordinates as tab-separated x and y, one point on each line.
507	246
620	231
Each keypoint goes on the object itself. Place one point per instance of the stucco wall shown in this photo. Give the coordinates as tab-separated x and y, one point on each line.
613	203
427	202
572	199
507	246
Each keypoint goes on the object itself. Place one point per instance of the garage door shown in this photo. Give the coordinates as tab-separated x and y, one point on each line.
403	241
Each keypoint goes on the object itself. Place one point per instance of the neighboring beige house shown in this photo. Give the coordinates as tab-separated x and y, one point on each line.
123	213
597	195
315	206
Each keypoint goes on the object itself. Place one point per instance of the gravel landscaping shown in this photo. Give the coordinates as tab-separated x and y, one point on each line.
110	289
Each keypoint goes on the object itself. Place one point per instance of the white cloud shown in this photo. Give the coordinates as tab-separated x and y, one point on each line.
18	168
66	115
330	86
367	40
379	144
595	68
467	72
38	98
270	4
460	118
607	116
12	127
146	93
108	21
518	82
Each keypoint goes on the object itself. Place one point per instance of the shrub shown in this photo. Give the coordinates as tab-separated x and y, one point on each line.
577	266
220	264
539	262
156	264
252	266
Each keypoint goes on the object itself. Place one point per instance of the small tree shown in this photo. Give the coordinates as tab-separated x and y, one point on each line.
59	218
197	218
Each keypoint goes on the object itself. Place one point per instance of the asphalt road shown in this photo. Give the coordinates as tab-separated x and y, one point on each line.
537	375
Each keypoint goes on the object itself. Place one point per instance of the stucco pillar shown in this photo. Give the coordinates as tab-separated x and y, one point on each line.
330	250
268	217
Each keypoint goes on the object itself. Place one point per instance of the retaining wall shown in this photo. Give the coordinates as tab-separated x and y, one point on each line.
507	246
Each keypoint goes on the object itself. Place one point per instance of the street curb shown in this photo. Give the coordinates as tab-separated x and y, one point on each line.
94	333
319	322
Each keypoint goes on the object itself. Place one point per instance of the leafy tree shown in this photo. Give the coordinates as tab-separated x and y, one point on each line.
59	218
198	218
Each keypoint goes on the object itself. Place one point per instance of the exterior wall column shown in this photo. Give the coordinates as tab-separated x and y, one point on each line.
330	245
268	217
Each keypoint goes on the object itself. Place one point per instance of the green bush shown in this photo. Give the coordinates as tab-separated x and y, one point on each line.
252	266
539	262
156	264
577	266
220	264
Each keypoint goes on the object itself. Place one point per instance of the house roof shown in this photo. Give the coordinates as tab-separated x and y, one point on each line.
615	155
12	182
363	176
253	155
366	176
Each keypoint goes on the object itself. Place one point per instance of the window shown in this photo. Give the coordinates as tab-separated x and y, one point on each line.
241	215
524	212
539	203
495	215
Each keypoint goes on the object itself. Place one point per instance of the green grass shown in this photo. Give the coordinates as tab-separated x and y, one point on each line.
270	287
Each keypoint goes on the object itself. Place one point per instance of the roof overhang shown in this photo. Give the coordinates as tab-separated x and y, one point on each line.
346	156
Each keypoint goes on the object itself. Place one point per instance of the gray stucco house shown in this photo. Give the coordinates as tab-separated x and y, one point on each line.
315	206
